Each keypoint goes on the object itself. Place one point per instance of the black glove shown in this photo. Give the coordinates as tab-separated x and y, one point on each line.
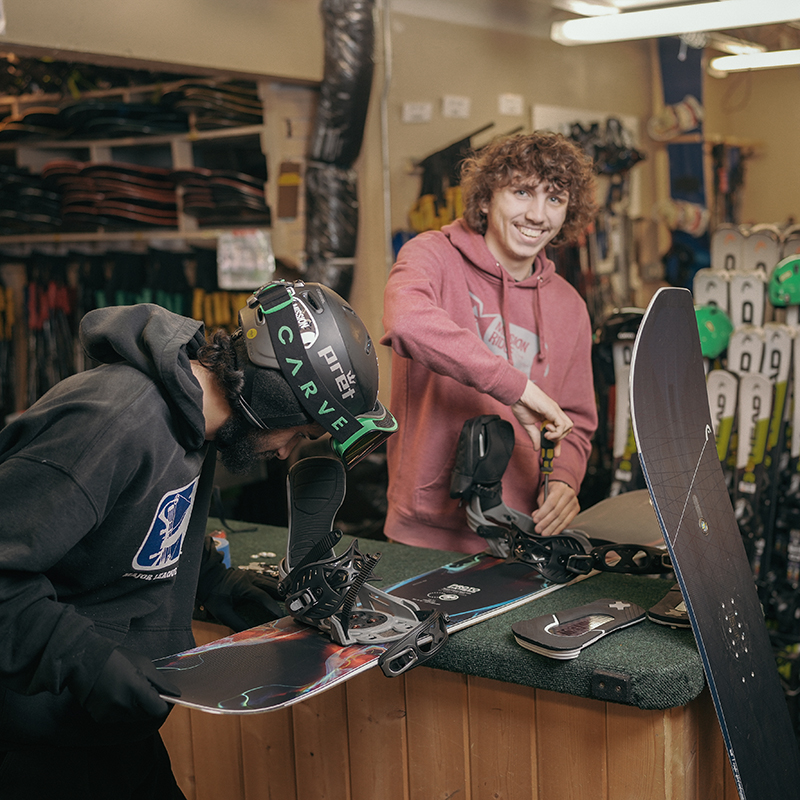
127	689
241	599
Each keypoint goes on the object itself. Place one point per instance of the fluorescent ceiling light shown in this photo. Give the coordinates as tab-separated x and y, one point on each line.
777	58
627	5
674	21
598	8
586	8
732	45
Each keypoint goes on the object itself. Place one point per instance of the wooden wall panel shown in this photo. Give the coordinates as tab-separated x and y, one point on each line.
571	747
715	778
376	717
268	756
321	750
177	735
682	762
438	732
502	740
646	755
217	745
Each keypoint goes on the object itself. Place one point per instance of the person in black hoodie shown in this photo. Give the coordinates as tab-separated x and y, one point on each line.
105	485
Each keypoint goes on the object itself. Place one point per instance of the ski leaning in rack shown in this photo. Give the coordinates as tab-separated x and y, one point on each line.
672	424
614	342
784	564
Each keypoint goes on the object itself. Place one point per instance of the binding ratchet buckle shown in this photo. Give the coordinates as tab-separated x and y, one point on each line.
632	559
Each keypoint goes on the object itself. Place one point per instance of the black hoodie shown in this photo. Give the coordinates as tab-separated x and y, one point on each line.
103	506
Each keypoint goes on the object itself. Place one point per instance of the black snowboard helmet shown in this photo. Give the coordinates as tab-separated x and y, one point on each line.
317	343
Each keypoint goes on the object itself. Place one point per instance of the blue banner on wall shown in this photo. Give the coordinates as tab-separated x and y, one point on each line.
682	77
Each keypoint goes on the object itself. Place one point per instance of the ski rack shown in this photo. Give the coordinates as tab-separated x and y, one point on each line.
332	594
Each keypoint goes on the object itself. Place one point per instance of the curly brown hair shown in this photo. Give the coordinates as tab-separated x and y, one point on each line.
217	355
548	157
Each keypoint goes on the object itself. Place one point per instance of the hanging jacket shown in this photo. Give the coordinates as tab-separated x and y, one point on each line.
104	505
466	338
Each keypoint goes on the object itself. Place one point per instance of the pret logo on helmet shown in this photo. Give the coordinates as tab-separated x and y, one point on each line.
345	381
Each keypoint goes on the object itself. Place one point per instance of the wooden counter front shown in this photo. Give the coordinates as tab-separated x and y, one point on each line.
436	735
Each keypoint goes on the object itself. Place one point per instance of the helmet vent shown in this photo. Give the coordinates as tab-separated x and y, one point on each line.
313	302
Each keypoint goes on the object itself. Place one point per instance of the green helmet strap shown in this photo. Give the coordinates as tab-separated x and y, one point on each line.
293	359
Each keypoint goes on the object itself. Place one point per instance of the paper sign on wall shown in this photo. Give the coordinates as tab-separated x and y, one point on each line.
245	259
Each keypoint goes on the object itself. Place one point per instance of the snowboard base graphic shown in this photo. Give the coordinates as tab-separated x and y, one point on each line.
675	438
283	662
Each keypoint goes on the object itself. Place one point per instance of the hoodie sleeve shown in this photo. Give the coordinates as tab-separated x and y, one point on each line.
576	397
48	645
418	326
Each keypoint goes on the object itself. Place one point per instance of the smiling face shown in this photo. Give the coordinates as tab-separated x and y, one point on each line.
521	218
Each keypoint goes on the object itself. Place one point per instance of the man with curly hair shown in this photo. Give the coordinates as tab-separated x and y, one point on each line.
480	323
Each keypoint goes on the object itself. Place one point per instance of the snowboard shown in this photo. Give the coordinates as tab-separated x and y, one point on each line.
675	437
284	662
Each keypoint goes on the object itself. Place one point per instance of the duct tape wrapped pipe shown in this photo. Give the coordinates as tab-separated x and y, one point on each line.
331	199
349	38
331	226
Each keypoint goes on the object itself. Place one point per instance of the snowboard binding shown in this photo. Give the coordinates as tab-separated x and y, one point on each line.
331	592
483	452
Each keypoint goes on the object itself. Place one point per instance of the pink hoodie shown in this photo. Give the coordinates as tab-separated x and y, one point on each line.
466	337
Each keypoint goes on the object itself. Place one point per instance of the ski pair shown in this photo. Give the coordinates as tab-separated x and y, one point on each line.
751	402
331	592
483	452
752	397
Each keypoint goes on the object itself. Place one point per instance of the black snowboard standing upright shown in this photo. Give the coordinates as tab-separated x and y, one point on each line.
675	438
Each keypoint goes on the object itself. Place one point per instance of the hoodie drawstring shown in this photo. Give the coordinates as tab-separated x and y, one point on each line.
539	317
504	317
